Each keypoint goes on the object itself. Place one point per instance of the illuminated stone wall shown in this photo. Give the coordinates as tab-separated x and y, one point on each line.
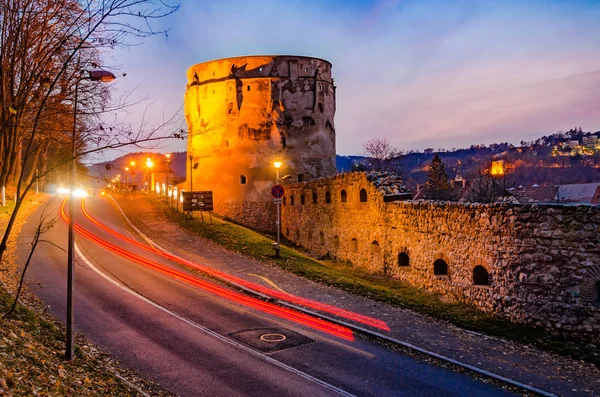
543	262
245	113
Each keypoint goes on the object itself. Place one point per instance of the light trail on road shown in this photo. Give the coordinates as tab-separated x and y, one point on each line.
300	318
376	323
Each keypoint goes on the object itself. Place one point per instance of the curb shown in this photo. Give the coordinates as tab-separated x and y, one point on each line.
357	328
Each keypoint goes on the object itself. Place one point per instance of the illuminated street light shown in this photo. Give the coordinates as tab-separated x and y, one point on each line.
277	165
168	156
149	164
101	76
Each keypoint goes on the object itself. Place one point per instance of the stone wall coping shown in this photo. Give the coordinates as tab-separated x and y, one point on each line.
323	182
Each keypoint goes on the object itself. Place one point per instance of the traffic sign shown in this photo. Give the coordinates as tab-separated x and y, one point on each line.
277	191
277	201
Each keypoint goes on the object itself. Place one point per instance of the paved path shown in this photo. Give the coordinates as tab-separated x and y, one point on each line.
550	372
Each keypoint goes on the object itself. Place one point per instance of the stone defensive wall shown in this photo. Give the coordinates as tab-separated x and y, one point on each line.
535	264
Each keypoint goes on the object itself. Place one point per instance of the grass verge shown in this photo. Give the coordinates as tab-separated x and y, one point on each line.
377	287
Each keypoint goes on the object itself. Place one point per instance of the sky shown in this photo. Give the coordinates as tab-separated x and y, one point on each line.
422	73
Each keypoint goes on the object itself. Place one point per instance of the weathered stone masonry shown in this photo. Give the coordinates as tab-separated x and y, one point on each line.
528	263
246	112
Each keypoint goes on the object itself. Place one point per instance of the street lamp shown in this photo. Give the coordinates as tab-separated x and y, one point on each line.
103	77
149	164
132	164
168	156
191	157
126	172
277	165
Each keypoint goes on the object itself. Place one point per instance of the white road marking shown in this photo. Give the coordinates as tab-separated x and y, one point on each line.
214	334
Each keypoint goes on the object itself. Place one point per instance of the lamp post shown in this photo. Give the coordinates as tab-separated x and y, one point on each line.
277	165
103	77
126	172
149	164
168	156
132	164
191	157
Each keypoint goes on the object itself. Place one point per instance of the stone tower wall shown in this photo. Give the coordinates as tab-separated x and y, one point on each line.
245	113
543	262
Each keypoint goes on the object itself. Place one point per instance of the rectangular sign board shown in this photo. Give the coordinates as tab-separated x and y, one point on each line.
198	201
278	200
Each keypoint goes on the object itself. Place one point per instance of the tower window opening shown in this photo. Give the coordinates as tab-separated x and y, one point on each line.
302	199
291	200
314	198
260	69
213	92
344	196
363	196
300	177
248	88
327	198
354	245
243	179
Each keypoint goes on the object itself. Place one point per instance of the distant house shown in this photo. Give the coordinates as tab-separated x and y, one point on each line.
536	194
596	197
573	144
589	141
579	193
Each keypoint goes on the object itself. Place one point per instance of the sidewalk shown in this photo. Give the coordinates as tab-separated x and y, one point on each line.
546	371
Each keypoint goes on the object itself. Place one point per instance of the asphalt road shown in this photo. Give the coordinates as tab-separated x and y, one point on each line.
194	342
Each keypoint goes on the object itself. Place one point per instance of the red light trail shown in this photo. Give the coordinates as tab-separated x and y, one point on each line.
301	318
248	284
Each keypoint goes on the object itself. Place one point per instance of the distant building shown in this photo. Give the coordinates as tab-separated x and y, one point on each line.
590	141
536	194
573	144
577	193
596	198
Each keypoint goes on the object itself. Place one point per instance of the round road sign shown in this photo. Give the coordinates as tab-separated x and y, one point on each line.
277	191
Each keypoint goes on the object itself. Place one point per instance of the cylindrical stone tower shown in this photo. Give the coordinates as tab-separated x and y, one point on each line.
243	114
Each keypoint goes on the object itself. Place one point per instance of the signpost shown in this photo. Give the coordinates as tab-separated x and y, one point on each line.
197	201
277	191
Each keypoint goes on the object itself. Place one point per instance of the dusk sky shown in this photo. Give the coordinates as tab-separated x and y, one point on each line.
423	73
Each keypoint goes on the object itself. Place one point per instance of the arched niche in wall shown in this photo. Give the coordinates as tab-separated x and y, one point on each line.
314	198
354	245
590	288
480	276
403	259
375	248
321	238
440	267
328	198
336	242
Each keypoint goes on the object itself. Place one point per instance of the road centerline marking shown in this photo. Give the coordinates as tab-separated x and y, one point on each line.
214	334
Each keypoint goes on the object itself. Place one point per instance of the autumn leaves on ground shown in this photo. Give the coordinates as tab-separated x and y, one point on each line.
32	343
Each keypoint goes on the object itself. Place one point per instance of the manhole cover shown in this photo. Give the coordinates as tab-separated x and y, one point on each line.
269	340
273	337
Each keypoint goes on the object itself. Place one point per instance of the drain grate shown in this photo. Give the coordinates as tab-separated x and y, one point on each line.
270	340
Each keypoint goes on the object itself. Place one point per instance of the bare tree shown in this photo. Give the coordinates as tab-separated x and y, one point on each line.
46	44
381	155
